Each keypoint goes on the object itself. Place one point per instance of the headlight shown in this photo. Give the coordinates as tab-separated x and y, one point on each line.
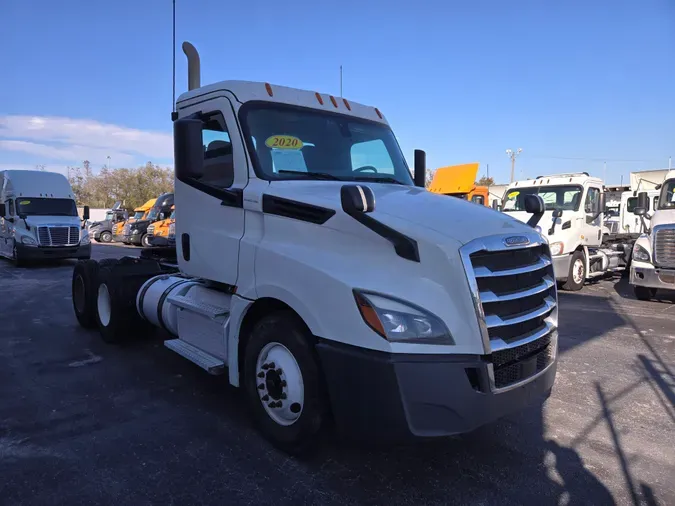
399	321
640	254
557	248
28	241
134	231
85	239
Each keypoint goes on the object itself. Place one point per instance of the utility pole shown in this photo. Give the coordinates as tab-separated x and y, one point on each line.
340	81
513	155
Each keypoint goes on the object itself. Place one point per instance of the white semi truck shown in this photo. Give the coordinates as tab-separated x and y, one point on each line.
324	283
653	265
39	218
581	246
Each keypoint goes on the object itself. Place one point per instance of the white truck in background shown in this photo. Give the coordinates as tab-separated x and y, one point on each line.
324	283
39	218
580	246
653	265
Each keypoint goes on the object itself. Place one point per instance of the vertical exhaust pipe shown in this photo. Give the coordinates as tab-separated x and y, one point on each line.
193	65
420	168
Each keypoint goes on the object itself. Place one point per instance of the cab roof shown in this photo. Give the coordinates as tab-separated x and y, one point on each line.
576	178
35	183
247	91
146	206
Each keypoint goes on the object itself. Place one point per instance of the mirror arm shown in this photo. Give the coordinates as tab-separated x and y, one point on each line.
534	219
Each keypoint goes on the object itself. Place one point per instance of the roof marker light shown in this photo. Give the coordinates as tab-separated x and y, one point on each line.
378	113
318	97
269	89
349	107
332	99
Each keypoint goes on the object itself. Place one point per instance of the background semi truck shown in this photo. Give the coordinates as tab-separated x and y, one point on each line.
158	232
139	214
102	230
136	232
653	265
581	245
460	181
328	286
39	217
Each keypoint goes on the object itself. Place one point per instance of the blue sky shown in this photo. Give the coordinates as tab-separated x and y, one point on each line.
573	83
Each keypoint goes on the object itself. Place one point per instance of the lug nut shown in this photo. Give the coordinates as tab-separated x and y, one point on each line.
271	365
265	366
261	374
265	398
261	386
283	395
280	371
279	404
283	383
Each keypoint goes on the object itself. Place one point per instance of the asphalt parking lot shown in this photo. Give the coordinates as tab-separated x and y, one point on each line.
82	422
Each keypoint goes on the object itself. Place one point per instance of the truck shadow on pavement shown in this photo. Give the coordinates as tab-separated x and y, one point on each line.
99	417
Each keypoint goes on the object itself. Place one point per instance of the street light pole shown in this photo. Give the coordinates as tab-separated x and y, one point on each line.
512	155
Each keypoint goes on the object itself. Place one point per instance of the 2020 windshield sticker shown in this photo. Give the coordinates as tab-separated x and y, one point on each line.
283	142
24	203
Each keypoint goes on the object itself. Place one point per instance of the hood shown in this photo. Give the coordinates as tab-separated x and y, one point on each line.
64	221
139	223
663	217
413	208
454	179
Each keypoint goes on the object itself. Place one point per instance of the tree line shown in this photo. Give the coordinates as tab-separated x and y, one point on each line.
133	187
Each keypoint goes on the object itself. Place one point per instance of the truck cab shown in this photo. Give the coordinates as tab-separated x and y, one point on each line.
316	276
158	232
136	233
39	219
573	224
139	214
630	222
102	231
653	263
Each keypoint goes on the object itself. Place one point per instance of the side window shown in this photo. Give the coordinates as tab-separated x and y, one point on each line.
592	197
631	204
478	199
372	154
10	206
218	160
656	202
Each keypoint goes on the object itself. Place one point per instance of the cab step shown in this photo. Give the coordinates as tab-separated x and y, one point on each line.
202	308
212	365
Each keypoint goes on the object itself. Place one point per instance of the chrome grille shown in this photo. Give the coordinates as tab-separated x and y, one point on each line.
172	231
664	245
127	229
516	302
151	230
58	236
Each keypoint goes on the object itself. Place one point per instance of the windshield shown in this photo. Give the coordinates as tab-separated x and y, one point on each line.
294	143
109	216
667	197
138	215
31	206
565	197
152	215
173	215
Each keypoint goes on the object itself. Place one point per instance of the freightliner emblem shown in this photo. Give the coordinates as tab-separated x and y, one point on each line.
516	240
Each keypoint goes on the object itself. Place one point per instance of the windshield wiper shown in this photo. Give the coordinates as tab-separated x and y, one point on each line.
312	175
382	179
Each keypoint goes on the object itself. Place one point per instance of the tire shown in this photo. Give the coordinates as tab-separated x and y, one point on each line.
282	339
578	270
83	290
644	293
105	237
145	241
17	259
116	315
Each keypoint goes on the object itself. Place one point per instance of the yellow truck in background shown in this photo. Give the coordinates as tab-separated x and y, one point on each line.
139	213
460	181
158	232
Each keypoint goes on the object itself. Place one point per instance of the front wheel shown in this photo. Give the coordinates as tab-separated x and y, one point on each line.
105	237
283	382
18	260
145	241
644	293
577	273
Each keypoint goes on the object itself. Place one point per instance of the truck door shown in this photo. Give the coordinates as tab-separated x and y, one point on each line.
210	217
592	229
3	228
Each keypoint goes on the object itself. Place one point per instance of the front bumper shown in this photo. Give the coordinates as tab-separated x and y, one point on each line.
160	241
54	252
132	239
644	274
561	266
383	397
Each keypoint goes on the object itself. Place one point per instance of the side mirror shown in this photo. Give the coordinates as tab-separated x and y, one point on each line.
642	204
10	219
420	168
535	206
188	148
357	199
557	213
601	205
85	213
22	216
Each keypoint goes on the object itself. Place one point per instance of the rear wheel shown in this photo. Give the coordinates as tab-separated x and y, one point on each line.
283	383
644	293
83	286
577	273
105	237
